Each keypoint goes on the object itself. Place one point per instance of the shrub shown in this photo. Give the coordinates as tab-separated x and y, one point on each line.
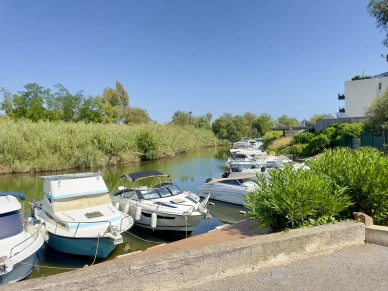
303	138
147	146
364	173
292	198
295	150
317	145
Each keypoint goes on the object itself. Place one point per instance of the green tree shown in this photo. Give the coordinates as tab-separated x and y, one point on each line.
209	117
220	126
180	118
30	103
89	110
250	117
262	124
7	101
377	112
190	115
134	115
202	122
288	121
238	128
113	104
379	10
68	104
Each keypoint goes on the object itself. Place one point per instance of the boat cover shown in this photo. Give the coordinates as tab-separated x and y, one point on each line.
142	175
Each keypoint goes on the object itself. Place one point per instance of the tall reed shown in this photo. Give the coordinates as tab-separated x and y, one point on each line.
26	146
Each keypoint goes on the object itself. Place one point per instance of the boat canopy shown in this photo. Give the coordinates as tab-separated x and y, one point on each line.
142	175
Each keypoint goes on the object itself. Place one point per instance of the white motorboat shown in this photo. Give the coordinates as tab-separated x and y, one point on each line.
19	240
231	189
157	203
77	213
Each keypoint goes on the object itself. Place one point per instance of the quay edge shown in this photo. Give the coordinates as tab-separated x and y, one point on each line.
188	267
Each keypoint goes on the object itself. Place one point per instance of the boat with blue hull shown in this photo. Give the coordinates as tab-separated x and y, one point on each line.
19	240
77	216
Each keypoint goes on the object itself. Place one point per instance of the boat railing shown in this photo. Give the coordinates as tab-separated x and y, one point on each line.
33	237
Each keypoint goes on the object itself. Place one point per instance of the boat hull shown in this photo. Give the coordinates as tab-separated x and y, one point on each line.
82	246
229	197
19	271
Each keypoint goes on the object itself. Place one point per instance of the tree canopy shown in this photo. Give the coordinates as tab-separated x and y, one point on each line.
377	112
379	10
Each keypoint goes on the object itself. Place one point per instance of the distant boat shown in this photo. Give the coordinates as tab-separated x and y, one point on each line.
232	189
19	240
157	203
77	213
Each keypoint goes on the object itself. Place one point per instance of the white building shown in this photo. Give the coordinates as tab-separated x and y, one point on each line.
359	94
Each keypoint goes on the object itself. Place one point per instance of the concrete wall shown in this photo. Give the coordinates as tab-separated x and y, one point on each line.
175	270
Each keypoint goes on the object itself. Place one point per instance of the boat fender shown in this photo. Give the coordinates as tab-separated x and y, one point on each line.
138	213
154	218
125	208
44	232
116	204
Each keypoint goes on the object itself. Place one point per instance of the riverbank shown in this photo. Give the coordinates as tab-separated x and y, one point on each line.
27	147
200	260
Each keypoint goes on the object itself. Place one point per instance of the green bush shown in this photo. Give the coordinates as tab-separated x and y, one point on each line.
364	173
147	146
317	145
292	198
296	150
303	138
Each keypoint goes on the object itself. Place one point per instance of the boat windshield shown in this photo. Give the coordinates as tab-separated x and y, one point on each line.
10	224
152	194
245	180
175	190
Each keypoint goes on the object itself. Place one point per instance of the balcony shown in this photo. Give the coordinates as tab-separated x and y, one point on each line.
342	109
341	96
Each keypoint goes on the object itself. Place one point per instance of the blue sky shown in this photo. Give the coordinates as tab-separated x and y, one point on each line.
206	56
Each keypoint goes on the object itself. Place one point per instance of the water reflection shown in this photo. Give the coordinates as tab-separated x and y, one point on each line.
187	171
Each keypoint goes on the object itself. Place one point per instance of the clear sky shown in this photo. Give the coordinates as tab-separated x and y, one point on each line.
206	56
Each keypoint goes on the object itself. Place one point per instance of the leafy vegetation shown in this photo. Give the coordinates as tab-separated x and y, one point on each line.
364	173
377	112
295	198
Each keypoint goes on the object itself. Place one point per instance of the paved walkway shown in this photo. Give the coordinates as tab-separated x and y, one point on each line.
358	268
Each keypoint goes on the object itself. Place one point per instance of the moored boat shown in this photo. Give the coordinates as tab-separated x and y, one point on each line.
157	203
19	240
77	215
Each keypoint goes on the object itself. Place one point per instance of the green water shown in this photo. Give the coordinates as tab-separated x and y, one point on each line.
187	170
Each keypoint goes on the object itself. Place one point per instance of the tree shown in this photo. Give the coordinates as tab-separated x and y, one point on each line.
379	10
180	118
209	117
30	103
190	115
67	103
113	104
250	117
237	128
7	104
202	122
89	110
377	112
262	124
288	121
219	127
134	115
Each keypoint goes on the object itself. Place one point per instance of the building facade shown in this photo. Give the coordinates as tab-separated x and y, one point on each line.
359	94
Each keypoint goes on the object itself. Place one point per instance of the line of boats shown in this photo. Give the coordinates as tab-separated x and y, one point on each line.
78	215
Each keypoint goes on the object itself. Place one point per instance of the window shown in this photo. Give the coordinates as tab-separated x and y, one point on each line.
380	86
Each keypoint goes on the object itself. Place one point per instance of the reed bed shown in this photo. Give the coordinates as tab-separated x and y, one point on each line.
27	146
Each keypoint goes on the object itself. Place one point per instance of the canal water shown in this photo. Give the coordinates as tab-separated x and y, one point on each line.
188	171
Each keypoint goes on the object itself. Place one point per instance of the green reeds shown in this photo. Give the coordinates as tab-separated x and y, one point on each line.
26	146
